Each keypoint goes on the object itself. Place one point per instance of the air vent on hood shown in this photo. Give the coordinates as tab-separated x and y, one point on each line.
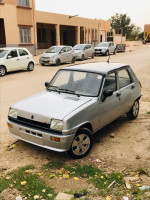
72	98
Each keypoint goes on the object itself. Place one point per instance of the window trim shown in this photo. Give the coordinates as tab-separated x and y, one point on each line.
29	36
131	79
20	3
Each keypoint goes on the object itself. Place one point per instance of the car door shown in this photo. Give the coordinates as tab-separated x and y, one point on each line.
63	55
24	58
110	107
86	51
69	54
12	60
126	87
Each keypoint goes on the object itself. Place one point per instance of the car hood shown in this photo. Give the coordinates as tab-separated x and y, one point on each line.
49	55
77	51
101	48
49	104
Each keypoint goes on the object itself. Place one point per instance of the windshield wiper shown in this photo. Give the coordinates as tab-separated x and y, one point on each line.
69	91
53	88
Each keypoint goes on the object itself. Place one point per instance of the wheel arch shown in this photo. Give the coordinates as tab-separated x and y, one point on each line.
87	125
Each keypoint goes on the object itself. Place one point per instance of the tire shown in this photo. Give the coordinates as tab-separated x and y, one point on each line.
83	57
73	60
82	144
114	52
2	71
30	66
43	64
107	53
134	111
57	62
92	56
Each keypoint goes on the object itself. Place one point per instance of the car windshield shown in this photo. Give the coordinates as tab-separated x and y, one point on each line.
78	47
102	44
76	82
3	53
53	50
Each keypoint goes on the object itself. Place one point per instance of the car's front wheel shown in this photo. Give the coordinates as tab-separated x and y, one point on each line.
81	144
114	52
92	56
30	66
73	60
2	71
107	53
57	62
83	57
134	111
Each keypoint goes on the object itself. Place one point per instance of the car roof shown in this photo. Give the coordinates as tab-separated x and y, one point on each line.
61	46
11	48
101	68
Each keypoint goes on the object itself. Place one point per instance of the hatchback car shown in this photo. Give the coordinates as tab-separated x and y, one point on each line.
57	55
105	48
83	51
13	59
77	102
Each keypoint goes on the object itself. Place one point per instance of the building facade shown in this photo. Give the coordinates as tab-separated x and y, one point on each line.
22	25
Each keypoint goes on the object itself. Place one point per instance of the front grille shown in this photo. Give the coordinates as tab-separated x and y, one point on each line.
98	49
44	61
33	124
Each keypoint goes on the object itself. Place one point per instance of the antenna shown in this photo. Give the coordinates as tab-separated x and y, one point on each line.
108	59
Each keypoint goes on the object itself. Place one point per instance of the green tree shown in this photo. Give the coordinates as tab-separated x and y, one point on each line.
121	22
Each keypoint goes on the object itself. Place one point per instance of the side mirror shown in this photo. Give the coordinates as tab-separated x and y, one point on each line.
46	84
107	93
8	57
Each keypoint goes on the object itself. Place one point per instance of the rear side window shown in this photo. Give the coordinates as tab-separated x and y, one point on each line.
68	48
110	82
22	52
124	78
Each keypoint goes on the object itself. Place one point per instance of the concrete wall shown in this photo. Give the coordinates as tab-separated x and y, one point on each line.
119	39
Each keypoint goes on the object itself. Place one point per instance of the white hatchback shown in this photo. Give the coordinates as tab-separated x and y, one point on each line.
13	59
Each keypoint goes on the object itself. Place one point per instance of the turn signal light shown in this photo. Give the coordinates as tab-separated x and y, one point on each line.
56	139
10	125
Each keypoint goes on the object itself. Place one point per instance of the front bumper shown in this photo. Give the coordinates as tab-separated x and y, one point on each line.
41	138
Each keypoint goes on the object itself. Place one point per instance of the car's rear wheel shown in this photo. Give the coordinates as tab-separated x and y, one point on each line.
92	55
43	64
134	111
57	62
2	71
114	52
73	60
81	144
30	66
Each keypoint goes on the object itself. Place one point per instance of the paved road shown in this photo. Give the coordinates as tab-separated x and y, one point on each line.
18	85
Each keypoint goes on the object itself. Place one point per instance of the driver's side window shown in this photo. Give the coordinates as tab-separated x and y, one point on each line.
63	50
110	82
12	54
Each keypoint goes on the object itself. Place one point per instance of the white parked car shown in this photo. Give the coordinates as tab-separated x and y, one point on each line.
13	59
57	55
83	51
105	48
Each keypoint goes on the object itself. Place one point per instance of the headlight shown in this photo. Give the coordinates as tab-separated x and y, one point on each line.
12	113
56	124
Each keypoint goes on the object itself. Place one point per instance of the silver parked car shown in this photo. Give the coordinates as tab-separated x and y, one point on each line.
57	55
77	102
105	48
83	51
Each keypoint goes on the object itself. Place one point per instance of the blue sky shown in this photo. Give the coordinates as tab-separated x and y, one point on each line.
137	10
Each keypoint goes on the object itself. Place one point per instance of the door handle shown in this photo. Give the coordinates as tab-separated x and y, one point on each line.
133	86
27	57
18	59
118	94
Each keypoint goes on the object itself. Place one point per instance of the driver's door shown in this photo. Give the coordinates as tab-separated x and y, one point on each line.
110	107
63	55
13	61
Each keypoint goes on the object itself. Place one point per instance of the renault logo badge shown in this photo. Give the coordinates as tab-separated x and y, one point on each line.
32	117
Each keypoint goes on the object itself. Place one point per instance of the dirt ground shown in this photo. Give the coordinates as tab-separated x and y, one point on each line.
130	146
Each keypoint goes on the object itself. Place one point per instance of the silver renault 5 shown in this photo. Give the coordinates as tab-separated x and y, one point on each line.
77	102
